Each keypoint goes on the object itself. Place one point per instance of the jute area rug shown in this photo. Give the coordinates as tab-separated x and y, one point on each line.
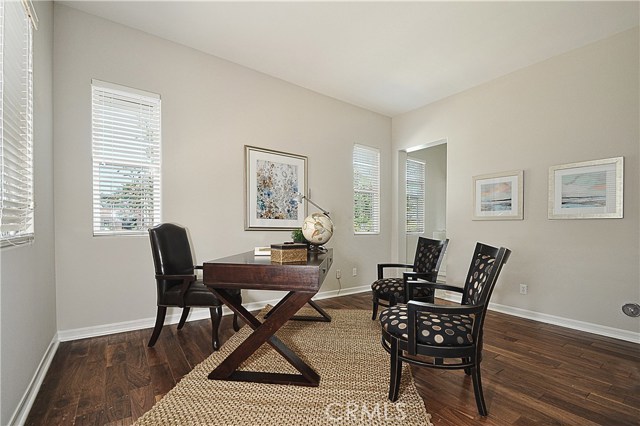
354	382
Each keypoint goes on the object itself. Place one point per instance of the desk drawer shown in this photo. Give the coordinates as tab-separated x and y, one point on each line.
324	268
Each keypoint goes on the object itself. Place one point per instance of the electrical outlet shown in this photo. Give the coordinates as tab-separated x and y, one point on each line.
355	271
338	274
523	289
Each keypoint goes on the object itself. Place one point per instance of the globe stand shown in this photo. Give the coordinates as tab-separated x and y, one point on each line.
317	248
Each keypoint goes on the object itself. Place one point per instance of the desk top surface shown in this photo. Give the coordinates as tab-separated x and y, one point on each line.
248	271
249	258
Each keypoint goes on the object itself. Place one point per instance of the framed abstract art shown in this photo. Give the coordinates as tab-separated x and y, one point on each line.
272	180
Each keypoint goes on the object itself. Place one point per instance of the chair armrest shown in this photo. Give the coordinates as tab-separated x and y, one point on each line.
426	276
414	306
186	283
197	268
382	266
410	278
175	277
413	280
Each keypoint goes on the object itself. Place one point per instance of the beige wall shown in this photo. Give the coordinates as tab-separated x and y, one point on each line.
28	324
579	106
210	109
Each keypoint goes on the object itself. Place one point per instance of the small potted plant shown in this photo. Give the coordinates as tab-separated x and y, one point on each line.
297	236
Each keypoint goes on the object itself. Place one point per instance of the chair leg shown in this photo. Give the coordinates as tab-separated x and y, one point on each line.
467	370
375	308
183	317
216	314
392	300
162	312
236	326
396	371
477	389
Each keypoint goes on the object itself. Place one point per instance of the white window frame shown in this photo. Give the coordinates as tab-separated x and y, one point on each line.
126	151
17	22
415	190
366	185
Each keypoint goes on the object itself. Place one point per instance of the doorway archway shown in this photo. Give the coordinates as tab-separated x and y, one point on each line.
434	156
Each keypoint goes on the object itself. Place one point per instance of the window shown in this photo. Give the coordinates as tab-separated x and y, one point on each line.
415	196
16	126
366	190
126	159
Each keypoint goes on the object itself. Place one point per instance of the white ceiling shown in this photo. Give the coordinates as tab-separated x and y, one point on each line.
389	57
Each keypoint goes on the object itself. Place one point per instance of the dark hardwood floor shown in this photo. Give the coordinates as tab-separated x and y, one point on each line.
533	373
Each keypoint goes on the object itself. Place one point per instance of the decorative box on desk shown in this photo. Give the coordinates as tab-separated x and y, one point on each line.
289	253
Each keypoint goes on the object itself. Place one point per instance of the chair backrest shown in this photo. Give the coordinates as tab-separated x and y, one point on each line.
485	267
171	250
429	255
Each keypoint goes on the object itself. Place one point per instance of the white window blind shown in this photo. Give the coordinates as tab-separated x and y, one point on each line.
126	159
16	126
366	190
415	195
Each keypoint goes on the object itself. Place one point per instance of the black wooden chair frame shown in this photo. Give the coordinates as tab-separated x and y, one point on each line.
412	352
416	277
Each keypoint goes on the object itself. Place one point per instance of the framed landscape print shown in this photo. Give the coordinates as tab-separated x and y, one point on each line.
498	196
272	180
587	190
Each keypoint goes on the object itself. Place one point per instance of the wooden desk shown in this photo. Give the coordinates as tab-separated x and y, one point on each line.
247	271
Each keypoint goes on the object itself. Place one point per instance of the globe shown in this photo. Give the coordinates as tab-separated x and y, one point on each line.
317	228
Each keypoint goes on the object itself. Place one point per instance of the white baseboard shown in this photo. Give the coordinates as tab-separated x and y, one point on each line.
121	327
200	314
195	315
342	292
19	416
601	330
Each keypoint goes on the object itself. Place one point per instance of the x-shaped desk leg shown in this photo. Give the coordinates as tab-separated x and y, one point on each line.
265	332
323	317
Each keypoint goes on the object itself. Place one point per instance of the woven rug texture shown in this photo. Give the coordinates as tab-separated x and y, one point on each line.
354	382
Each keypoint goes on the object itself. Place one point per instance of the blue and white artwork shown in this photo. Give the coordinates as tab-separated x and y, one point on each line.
498	196
583	190
587	190
273	182
276	187
495	197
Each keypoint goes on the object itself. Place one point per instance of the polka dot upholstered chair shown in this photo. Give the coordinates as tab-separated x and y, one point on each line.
445	336
389	291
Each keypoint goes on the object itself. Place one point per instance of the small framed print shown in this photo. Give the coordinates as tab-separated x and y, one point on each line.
498	196
272	181
587	190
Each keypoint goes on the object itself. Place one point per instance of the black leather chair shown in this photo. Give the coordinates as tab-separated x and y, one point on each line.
445	336
177	284
426	264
